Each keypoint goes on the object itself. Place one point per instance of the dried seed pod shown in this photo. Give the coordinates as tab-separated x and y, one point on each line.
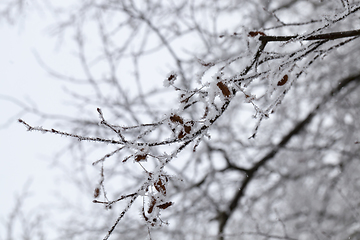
172	77
96	192
283	80
187	127
182	134
224	89
255	33
165	205
140	157
176	118
160	186
152	205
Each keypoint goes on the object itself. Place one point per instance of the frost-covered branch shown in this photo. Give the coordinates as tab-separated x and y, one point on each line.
300	126
324	36
250	71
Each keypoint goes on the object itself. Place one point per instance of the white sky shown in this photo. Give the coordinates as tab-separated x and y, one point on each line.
25	156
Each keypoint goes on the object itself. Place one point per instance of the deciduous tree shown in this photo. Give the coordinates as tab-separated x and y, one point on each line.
251	131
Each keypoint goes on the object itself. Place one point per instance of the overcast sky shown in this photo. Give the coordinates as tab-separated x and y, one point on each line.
26	156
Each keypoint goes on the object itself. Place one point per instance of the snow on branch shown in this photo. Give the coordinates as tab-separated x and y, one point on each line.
325	36
275	70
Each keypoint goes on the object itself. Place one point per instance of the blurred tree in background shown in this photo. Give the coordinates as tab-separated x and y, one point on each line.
212	119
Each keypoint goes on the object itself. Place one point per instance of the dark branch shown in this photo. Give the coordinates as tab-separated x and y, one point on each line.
325	36
225	216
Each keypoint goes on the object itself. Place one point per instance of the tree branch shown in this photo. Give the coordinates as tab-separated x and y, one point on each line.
250	174
325	36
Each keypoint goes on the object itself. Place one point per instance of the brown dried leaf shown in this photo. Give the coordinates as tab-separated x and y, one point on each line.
176	118
96	192
152	205
187	129
140	157
160	186
255	33
283	80
181	134
224	89
165	205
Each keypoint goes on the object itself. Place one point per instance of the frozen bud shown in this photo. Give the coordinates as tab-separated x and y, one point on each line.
165	205
152	204
187	128
181	135
176	119
283	80
160	186
96	192
170	79
140	157
224	89
256	33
